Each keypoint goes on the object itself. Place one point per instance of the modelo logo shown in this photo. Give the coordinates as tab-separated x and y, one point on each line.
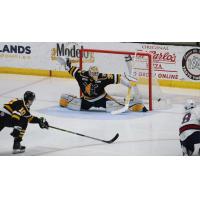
191	64
15	49
72	52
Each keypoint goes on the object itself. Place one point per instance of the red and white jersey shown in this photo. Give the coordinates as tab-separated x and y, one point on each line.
190	123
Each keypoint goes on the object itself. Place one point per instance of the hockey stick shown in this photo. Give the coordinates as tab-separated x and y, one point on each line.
128	97
126	106
82	135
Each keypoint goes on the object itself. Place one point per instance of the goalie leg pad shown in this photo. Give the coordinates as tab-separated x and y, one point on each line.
71	102
138	108
134	105
63	102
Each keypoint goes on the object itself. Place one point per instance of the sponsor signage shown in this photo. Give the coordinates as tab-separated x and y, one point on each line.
191	64
170	62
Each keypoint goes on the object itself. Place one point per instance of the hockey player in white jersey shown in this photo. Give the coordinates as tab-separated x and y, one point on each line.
189	131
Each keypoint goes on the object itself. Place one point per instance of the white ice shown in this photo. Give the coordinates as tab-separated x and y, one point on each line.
153	133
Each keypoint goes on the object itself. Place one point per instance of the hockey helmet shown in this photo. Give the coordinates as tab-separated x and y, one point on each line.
190	104
29	97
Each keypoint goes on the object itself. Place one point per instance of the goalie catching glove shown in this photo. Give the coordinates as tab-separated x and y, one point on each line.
129	80
43	123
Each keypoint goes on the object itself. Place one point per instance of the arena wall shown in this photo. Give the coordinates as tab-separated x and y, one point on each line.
175	66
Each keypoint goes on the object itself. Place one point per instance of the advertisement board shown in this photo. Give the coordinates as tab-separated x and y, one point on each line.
171	63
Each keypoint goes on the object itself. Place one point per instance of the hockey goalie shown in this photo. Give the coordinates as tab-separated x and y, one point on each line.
92	84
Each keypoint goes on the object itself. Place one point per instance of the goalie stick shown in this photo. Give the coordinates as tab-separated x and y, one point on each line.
82	135
128	97
126	106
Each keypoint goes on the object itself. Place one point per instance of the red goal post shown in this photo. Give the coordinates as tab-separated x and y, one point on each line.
149	56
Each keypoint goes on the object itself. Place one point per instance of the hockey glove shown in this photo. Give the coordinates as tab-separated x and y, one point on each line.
43	123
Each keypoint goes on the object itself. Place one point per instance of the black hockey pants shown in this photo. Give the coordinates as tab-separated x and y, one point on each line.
18	125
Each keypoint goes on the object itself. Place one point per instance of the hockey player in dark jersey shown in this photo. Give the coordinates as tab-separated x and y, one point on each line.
92	84
16	114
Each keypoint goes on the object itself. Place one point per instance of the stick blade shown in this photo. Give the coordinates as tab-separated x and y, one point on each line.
113	139
122	110
126	107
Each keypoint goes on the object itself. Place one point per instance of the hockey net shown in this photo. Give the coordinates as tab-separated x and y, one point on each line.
113	62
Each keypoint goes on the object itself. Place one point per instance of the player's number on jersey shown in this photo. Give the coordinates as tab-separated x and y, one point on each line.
186	118
22	111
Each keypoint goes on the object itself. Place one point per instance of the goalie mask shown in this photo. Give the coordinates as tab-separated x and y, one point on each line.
190	104
94	72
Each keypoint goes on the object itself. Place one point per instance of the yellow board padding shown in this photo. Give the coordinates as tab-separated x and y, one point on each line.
63	74
24	71
36	72
180	84
172	83
60	74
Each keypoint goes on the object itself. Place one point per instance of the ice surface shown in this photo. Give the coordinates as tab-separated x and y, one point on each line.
153	133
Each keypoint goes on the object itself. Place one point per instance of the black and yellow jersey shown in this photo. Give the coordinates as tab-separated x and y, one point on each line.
90	88
17	108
